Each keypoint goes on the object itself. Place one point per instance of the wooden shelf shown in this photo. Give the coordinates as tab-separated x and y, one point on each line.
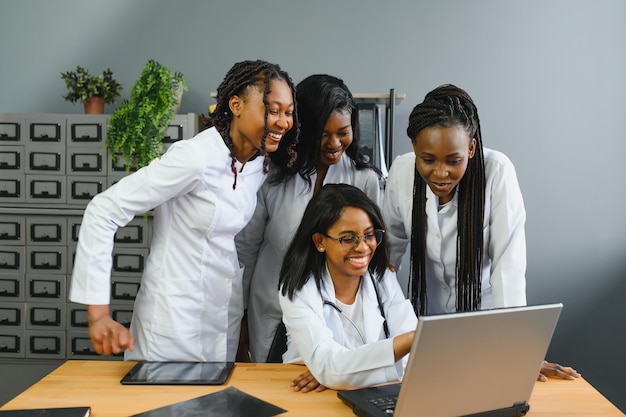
378	98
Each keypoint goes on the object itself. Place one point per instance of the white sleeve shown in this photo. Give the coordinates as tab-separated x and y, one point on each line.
367	181
250	238
396	220
173	174
399	312
507	245
333	365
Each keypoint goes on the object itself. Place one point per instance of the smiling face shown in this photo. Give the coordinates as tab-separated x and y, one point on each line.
350	264
248	126
441	157
337	136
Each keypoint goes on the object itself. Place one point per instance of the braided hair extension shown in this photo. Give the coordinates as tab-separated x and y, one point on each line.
417	280
448	106
241	76
318	96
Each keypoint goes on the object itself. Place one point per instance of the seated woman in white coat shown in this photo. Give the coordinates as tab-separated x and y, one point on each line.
346	316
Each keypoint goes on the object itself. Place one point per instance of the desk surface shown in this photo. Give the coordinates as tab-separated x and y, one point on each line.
96	383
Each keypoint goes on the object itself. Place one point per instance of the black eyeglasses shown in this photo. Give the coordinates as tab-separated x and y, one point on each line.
351	241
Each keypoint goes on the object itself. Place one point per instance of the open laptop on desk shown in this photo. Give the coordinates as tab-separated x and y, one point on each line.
482	363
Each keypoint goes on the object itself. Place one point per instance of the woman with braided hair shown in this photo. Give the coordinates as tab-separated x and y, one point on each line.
465	221
203	191
329	152
459	207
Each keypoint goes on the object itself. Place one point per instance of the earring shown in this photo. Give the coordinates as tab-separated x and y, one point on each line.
321	249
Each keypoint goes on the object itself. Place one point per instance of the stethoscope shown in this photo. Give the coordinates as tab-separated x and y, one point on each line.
380	308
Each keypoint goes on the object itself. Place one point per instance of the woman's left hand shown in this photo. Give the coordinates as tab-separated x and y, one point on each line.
306	382
554	370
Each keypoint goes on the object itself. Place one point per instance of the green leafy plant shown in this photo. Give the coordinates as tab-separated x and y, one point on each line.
82	85
135	128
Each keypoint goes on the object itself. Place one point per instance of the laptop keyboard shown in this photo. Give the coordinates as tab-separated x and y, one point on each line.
387	404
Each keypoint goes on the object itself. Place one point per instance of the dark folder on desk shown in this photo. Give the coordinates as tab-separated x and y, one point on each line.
229	402
482	363
48	412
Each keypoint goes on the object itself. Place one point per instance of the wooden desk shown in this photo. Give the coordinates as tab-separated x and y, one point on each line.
96	383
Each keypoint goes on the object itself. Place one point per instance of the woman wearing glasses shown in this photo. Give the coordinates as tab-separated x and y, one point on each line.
347	319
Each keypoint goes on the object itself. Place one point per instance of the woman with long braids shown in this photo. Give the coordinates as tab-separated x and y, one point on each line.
203	191
459	207
328	152
465	220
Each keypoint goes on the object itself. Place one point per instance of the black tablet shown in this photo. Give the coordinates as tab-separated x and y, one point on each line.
178	373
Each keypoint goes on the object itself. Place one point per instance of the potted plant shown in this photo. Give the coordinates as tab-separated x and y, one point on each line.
135	128
94	91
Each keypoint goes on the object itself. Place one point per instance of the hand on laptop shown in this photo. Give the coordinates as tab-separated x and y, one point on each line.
554	370
306	382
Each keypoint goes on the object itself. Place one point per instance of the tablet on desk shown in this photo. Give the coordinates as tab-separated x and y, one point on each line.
178	373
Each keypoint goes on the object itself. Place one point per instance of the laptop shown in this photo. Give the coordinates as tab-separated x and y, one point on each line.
481	363
178	373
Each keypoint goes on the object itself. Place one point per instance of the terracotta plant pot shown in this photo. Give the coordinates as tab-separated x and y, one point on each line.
94	105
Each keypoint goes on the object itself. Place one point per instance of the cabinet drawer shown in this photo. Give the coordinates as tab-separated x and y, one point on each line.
12	315
86	130
12	129
77	316
46	189
45	287
45	344
12	229
122	314
12	159
12	188
45	161
45	130
134	234
117	167
46	230
86	161
82	189
11	260
79	346
47	259
11	287
12	343
124	289
45	315
129	261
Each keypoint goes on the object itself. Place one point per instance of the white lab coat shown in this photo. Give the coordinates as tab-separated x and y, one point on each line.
190	302
315	334
504	253
262	244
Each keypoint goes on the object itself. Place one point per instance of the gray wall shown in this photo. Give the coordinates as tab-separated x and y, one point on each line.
548	76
